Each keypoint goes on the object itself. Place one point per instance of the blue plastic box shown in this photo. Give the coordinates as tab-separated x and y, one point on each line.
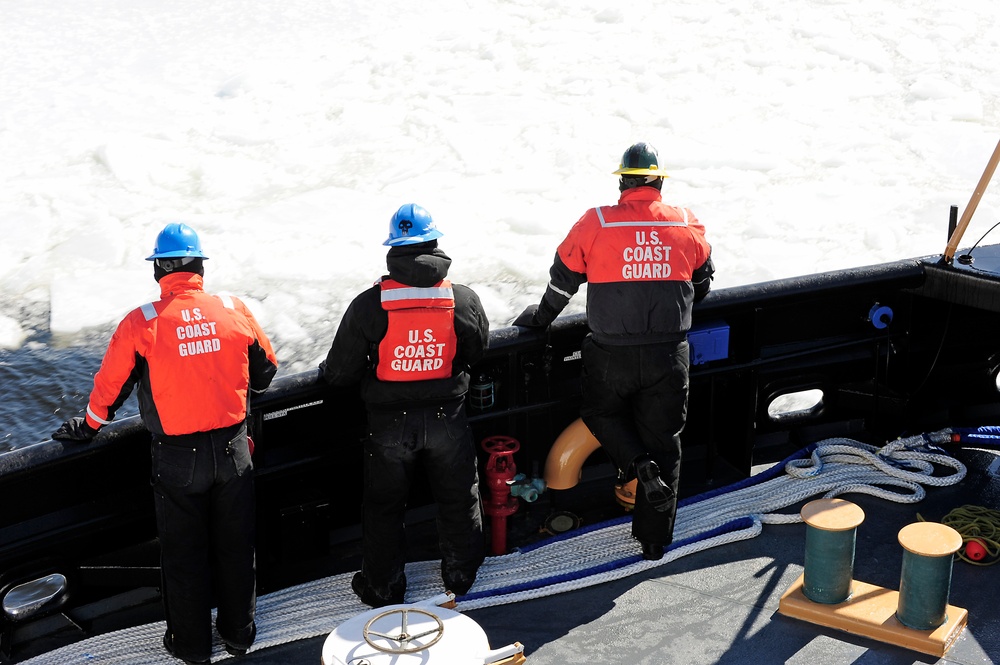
709	341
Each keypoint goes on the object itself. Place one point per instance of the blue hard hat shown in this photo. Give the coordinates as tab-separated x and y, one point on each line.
411	225
177	240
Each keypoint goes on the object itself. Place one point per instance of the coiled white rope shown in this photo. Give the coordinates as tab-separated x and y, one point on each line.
585	557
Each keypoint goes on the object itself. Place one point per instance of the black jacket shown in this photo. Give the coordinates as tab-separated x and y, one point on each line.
354	354
622	311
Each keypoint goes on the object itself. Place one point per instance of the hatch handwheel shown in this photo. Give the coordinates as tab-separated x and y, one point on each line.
403	638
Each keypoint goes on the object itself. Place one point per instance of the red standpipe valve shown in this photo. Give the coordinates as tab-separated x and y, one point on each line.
500	472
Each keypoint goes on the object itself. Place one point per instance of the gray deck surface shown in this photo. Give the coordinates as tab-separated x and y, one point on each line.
720	605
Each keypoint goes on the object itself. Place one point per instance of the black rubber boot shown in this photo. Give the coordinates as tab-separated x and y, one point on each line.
168	644
369	596
651	551
234	650
458	583
659	495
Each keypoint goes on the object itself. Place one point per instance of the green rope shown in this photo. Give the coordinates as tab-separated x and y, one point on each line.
979	523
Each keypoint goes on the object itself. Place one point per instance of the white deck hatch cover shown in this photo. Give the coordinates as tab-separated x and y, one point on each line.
406	634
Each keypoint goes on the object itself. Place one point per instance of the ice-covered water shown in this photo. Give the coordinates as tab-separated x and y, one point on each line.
806	134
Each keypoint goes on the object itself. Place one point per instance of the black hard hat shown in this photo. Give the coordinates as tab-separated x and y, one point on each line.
640	159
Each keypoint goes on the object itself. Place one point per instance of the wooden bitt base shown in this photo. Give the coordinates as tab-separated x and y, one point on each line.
871	612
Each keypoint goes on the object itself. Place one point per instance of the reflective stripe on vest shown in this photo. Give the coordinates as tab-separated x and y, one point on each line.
607	224
420	342
148	311
402	296
630	250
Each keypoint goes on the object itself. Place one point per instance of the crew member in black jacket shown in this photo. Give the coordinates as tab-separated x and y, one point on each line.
410	340
646	263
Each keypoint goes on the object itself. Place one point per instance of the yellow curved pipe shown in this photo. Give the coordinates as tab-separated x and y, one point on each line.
564	463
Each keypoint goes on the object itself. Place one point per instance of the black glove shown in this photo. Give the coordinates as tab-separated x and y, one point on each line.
75	429
527	318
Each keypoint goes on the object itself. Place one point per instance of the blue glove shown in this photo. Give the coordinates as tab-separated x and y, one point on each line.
527	318
75	429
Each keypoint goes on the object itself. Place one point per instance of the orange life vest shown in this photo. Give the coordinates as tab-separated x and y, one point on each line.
635	241
196	348
420	343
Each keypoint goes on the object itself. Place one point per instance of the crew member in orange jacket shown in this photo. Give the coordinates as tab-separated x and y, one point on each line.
409	340
645	263
196	358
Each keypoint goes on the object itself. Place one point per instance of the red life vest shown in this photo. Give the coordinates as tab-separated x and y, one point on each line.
639	240
420	343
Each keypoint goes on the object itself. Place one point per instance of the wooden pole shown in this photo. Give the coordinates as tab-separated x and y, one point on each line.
956	237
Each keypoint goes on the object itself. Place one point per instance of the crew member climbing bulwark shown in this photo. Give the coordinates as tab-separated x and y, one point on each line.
646	263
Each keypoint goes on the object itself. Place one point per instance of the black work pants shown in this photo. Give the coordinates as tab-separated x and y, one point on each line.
204	494
635	404
436	441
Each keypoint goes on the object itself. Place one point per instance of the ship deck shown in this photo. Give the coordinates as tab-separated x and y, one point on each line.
721	605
